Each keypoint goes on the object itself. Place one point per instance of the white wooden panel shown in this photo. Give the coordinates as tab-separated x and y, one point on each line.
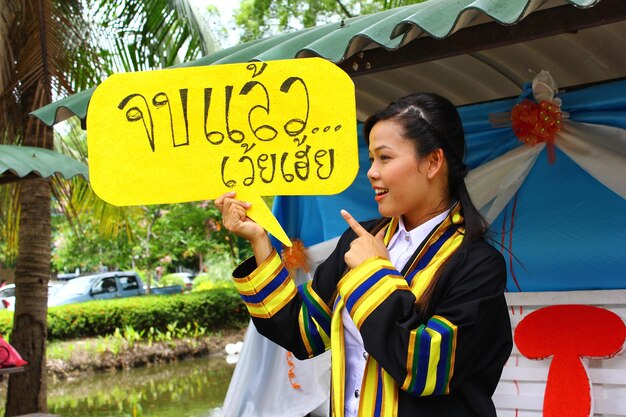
522	386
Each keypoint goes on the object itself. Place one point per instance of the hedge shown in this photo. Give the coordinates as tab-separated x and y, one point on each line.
215	310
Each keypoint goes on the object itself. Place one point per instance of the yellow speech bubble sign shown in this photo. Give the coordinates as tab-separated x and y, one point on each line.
267	128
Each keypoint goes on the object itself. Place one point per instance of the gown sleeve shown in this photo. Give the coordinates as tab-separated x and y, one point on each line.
295	317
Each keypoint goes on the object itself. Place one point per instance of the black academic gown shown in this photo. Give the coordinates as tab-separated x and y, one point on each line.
441	361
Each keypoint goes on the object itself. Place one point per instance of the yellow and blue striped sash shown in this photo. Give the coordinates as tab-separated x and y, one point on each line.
430	356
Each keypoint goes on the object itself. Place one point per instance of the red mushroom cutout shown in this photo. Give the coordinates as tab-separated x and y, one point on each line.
566	333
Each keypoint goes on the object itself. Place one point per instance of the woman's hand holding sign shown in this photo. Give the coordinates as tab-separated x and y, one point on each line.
236	220
366	245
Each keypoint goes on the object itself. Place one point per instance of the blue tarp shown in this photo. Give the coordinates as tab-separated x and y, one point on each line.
563	230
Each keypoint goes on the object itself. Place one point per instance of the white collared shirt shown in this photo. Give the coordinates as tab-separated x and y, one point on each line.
401	247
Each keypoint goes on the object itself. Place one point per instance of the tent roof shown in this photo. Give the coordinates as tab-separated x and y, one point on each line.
468	50
21	162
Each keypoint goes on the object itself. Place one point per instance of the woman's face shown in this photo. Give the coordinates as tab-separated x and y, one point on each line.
399	179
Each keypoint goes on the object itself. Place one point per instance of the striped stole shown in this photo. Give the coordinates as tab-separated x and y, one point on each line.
379	391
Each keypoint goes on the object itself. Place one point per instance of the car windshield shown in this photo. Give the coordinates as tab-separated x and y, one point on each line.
75	286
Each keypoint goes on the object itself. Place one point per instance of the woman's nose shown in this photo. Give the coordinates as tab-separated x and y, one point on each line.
372	173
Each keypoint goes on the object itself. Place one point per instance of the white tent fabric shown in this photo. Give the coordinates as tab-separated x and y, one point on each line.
599	150
260	385
496	182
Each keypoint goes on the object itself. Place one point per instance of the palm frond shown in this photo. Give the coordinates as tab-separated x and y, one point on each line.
47	40
153	34
9	220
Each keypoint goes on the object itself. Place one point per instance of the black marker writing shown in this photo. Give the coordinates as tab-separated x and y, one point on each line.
295	165
135	114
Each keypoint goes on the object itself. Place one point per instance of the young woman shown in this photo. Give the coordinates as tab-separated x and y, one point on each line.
411	305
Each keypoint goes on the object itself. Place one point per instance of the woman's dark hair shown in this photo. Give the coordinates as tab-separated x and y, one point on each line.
431	122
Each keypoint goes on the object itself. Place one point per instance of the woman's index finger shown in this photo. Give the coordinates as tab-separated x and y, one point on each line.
354	225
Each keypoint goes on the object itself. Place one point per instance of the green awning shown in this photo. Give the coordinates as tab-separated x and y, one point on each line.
20	162
502	44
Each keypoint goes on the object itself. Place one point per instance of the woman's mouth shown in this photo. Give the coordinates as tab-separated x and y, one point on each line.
380	193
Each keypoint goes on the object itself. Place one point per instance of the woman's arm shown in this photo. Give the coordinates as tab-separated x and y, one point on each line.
297	318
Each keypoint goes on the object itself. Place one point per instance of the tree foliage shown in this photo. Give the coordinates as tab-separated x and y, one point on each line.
49	49
144	35
262	18
170	236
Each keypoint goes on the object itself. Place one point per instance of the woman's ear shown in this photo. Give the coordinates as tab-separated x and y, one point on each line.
436	160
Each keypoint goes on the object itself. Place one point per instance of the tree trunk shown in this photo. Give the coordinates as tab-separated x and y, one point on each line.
27	391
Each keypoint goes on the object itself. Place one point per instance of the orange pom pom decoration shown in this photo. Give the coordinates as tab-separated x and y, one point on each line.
294	257
535	123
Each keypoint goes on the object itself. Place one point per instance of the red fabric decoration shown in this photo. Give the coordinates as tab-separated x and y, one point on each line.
535	123
567	333
294	257
9	356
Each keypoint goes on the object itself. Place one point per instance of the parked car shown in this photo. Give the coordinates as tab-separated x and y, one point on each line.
108	285
7	294
187	279
66	276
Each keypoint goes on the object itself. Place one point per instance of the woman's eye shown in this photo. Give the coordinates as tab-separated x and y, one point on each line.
381	158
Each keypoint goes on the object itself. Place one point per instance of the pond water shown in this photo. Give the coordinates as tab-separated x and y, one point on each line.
189	388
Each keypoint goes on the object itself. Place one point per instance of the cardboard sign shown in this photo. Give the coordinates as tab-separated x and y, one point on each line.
266	128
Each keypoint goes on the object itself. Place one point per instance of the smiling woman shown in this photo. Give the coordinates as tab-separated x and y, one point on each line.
412	305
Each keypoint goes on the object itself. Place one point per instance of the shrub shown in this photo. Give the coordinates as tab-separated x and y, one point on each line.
171	279
219	272
204	282
215	310
200	279
211	285
142	274
6	323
